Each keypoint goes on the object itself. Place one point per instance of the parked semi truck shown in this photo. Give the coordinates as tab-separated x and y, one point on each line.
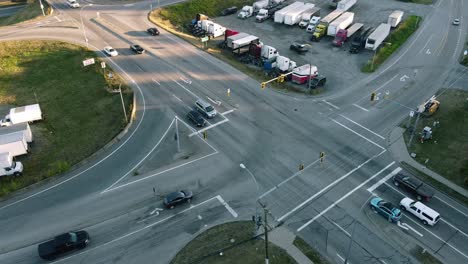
359	40
279	15
28	113
260	5
341	22
321	29
378	36
9	167
345	5
314	21
307	15
294	16
395	18
344	34
246	11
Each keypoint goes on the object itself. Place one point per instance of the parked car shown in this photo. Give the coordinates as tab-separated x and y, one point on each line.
427	215
196	118
386	209
176	198
110	51
137	49
62	244
298	47
413	185
153	31
456	22
229	11
205	108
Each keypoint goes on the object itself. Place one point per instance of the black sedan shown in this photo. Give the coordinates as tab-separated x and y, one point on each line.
176	198
63	243
298	47
229	11
413	185
153	31
137	49
196	118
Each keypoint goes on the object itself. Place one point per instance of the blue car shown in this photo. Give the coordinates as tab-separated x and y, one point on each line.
386	209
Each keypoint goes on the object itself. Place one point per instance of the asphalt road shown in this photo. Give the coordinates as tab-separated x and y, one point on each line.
271	133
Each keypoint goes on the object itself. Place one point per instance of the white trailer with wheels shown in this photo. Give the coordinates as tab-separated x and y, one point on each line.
342	22
345	5
15	143
9	167
28	113
294	16
395	18
378	36
236	44
233	38
23	128
279	15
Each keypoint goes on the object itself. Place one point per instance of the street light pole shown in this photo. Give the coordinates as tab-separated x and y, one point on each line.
82	24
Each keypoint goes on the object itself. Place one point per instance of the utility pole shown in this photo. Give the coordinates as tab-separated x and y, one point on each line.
265	229
177	134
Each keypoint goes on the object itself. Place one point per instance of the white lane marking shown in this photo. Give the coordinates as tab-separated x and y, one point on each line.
342	229
382	86
330	104
408	227
360	107
138	230
156	210
155	81
456	209
402	226
229	208
187	81
330	185
177	98
106	157
213	101
288	179
128	5
344	197
143	159
58	19
190	92
384	179
361	126
368	140
448	223
209	127
403	78
342	259
427	42
227	112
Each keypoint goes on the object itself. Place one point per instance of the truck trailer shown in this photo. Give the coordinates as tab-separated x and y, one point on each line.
342	22
279	15
304	73
259	5
9	167
395	18
294	16
307	16
245	41
344	34
15	143
378	36
345	5
28	113
321	29
23	127
231	39
359	40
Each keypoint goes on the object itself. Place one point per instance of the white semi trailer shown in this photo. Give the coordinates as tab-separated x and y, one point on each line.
15	143
344	21
378	36
294	16
279	15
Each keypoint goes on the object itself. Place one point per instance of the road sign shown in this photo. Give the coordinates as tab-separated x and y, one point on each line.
204	39
103	65
88	62
411	113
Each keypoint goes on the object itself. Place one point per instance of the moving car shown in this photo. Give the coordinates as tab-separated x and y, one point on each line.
386	209
456	22
421	211
137	49
196	118
64	243
110	51
73	4
298	47
153	31
176	198
422	191
229	11
205	108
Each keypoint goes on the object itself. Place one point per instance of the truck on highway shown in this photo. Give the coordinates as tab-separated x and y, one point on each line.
28	113
15	143
378	36
321	29
279	15
294	16
359	40
344	34
345	5
9	167
246	11
340	23
63	243
395	18
307	15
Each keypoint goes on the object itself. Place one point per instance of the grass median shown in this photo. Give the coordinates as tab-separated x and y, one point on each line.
230	243
396	39
309	251
81	112
32	10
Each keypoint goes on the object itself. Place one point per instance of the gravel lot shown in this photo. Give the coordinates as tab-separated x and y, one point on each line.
337	64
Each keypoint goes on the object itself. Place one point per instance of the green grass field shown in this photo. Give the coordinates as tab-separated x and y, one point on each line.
447	152
31	11
397	38
81	116
235	242
309	251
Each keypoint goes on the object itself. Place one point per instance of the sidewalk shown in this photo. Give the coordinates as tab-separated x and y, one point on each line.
284	238
397	148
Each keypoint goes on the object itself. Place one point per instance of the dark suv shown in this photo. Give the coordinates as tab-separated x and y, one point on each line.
298	47
153	31
62	244
196	118
412	184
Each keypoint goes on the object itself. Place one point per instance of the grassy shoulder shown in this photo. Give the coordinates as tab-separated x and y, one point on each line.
309	251
31	11
396	39
230	243
447	152
81	114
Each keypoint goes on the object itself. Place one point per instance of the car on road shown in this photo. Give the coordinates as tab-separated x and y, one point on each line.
229	11
62	244
427	215
176	198
137	49
205	108
110	51
386	209
298	47
73	4
456	22
196	118
153	31
413	185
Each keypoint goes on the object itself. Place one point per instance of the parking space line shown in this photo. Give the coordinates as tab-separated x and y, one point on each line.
330	104
384	179
227	112
368	140
361	126
344	197
329	186
360	107
342	259
209	127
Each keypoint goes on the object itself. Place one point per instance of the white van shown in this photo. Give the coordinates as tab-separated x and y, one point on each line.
73	3
421	211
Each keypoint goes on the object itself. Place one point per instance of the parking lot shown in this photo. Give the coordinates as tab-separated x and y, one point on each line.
339	66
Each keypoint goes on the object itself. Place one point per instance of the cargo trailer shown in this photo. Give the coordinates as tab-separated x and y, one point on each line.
378	36
294	16
15	143
23	127
395	18
28	113
279	15
341	22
